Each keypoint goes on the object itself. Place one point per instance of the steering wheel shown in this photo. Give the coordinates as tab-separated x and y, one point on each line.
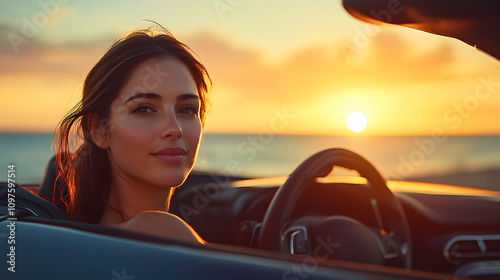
337	237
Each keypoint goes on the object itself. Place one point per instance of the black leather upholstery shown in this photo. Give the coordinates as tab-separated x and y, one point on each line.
51	187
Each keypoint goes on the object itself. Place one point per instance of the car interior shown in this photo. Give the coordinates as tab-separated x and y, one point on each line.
353	219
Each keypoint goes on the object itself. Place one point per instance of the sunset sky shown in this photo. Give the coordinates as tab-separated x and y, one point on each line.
307	63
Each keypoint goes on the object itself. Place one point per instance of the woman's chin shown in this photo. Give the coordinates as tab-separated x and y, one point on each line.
170	180
170	175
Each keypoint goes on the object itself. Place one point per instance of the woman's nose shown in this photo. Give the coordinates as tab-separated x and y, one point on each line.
171	126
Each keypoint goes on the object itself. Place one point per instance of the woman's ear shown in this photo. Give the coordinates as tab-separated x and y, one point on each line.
98	131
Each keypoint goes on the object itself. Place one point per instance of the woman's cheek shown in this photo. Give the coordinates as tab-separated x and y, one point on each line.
131	135
193	134
145	126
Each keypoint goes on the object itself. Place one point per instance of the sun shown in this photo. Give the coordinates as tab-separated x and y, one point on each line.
356	121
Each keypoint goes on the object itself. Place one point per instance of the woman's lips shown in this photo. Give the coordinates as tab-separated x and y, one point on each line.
170	155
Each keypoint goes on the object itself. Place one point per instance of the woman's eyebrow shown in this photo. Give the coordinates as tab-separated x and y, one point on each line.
144	95
186	96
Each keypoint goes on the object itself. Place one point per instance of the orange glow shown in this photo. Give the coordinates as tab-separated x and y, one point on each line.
405	82
37	105
395	186
429	188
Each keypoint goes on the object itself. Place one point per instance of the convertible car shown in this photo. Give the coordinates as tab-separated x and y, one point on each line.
304	226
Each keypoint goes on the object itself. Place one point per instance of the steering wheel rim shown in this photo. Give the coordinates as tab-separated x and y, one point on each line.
393	220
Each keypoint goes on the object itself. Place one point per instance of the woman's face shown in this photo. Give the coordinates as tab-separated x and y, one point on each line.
154	125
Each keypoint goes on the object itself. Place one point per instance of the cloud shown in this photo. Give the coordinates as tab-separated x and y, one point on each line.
12	41
62	14
399	61
21	55
246	85
391	77
387	59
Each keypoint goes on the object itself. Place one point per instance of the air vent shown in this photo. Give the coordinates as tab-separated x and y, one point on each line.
493	247
466	249
472	248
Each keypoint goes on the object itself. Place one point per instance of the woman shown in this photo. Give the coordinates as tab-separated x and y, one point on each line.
140	119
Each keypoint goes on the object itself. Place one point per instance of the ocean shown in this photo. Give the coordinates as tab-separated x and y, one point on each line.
396	157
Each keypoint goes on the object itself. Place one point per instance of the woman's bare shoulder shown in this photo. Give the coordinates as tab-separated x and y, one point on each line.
162	224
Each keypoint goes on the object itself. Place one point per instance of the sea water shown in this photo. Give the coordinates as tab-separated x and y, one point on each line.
396	157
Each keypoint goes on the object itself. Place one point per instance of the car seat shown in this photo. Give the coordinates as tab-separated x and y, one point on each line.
53	188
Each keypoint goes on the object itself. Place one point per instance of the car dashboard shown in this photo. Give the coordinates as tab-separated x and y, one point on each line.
454	230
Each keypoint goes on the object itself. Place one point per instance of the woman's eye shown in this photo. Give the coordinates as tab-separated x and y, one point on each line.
190	110
143	109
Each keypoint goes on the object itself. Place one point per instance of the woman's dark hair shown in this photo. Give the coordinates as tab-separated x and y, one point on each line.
86	172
